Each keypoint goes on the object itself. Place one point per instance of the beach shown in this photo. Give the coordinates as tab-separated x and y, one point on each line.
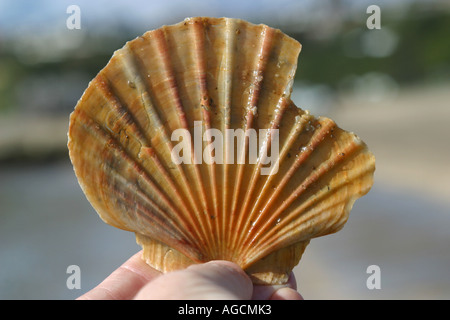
400	226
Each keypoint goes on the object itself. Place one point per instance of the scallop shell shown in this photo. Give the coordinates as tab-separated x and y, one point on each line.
224	74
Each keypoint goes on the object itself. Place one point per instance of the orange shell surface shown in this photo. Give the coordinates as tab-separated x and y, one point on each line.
224	74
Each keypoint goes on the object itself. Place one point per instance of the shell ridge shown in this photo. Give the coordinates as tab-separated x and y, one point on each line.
293	135
128	121
158	39
258	73
148	210
355	177
256	174
76	124
267	218
132	63
285	240
187	219
255	87
283	100
125	119
317	137
112	143
227	69
271	233
133	67
163	50
199	45
203	216
316	174
328	190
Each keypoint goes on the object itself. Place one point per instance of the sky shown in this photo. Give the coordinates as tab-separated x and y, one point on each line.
40	16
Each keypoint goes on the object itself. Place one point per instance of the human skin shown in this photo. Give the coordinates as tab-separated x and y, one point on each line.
218	280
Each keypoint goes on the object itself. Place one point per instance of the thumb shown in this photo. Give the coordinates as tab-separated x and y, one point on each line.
215	280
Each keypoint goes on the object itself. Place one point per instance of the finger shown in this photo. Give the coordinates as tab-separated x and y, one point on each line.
124	282
286	291
214	280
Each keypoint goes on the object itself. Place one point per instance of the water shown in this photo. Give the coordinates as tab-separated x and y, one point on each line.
47	225
404	234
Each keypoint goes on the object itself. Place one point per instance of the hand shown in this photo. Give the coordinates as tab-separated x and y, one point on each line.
218	280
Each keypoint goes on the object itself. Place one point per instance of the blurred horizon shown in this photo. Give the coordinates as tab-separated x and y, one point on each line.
45	66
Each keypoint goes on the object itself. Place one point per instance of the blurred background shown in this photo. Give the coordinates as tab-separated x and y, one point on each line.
389	85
